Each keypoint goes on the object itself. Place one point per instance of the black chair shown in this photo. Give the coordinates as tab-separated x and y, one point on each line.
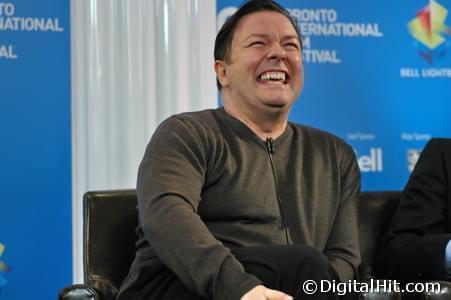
109	222
110	219
375	211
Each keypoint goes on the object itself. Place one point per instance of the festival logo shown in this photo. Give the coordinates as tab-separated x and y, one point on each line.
428	28
3	268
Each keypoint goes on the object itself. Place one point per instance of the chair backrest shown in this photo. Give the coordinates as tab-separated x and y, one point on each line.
110	220
375	212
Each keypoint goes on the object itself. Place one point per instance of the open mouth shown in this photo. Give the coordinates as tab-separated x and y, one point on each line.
273	76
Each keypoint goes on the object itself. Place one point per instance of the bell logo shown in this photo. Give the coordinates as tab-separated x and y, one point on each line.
372	162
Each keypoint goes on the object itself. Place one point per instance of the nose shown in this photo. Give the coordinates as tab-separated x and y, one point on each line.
277	52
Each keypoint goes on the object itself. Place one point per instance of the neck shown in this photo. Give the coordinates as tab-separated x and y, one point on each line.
264	125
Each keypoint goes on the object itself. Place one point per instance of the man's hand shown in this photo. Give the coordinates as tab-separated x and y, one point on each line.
261	292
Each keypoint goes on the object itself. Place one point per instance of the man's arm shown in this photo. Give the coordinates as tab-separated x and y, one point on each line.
170	182
342	248
414	247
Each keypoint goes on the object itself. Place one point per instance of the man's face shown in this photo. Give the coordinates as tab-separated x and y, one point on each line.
264	70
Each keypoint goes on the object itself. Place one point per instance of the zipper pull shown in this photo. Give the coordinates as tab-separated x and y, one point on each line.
270	145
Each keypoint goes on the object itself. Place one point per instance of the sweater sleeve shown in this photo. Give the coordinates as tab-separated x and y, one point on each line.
342	247
170	182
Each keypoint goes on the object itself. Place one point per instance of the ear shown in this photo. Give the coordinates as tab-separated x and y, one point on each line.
221	72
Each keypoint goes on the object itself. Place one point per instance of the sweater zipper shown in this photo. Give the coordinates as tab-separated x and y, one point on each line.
270	150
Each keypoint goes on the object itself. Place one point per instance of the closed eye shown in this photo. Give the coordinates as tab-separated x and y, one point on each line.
256	43
292	45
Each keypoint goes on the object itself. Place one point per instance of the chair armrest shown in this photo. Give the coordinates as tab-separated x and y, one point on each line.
443	293
378	289
96	288
78	292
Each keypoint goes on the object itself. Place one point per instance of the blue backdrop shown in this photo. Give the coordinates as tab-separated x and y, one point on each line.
377	74
35	152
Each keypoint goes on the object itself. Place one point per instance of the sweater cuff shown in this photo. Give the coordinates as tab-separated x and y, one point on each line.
237	286
344	269
243	288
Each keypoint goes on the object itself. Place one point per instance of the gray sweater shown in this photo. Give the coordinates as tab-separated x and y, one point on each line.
207	184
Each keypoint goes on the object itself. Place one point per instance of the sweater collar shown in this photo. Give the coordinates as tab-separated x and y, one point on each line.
244	131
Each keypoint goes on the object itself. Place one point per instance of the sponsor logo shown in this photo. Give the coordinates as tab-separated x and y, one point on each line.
3	268
372	162
412	158
428	28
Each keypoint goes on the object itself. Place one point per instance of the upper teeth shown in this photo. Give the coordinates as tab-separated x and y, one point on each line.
273	76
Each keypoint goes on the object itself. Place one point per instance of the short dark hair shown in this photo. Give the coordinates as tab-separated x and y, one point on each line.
224	37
